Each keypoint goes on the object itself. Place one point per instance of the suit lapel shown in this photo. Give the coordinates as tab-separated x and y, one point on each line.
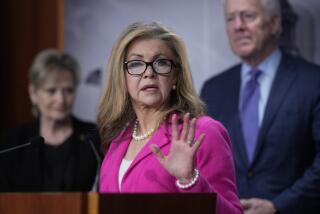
280	87
117	152
157	139
239	142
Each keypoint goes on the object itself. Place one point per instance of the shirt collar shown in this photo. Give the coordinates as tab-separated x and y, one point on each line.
267	67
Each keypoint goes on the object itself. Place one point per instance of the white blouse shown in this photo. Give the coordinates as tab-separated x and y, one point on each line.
125	164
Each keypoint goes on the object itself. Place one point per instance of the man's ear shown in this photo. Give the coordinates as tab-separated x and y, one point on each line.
276	25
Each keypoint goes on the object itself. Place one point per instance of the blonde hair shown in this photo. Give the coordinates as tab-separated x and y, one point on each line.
51	59
115	109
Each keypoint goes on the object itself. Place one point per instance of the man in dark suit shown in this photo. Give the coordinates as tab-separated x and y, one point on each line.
270	104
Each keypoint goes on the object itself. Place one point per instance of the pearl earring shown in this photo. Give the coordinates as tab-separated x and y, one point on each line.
174	87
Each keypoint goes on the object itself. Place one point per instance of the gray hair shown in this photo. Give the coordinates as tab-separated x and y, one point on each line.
49	60
271	7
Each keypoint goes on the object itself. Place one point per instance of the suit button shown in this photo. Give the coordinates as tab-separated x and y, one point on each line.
250	174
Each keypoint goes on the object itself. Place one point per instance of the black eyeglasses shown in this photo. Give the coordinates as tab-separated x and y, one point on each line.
159	66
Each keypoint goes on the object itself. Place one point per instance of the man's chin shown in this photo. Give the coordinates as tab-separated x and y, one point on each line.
243	53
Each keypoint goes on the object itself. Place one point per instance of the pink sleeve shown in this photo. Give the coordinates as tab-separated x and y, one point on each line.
214	161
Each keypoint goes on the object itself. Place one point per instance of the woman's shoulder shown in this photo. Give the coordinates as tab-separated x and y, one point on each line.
205	120
211	127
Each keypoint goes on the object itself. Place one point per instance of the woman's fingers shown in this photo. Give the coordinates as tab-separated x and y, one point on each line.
198	142
187	133
175	130
191	131
185	127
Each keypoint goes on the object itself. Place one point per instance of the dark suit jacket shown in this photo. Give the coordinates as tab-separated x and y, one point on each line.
22	170
286	165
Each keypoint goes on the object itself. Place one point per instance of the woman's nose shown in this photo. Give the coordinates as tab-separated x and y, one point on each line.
149	71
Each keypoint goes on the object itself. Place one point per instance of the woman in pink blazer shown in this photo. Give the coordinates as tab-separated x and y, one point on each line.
153	124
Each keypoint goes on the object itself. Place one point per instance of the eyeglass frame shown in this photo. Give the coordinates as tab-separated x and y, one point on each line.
147	64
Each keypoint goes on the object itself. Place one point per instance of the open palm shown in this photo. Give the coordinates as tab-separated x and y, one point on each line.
180	160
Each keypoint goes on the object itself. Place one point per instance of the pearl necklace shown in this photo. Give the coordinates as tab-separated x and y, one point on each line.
143	136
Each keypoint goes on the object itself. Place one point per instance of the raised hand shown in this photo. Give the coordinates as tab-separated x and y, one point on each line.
180	160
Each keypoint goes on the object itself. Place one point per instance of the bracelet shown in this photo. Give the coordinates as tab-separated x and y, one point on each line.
195	178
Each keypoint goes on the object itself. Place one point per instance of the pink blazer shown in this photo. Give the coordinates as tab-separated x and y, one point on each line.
146	175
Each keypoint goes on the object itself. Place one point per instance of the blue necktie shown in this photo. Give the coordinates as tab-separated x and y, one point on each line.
249	110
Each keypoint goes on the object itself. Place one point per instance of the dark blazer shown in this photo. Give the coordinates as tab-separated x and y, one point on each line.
286	164
22	170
